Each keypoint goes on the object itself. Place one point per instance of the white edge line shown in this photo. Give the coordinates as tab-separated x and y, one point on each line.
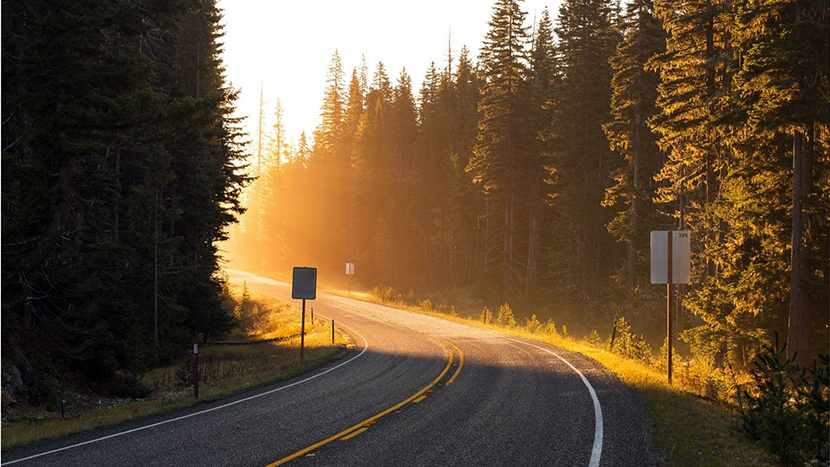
365	347
597	449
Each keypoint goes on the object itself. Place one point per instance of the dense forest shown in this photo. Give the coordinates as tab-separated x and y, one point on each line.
533	173
122	167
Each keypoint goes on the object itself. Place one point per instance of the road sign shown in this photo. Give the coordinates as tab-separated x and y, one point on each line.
670	264
304	284
680	257
350	269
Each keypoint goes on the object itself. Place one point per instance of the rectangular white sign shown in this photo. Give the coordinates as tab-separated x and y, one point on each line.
350	269
681	257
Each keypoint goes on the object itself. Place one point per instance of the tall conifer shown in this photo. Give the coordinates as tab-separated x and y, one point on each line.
505	143
634	91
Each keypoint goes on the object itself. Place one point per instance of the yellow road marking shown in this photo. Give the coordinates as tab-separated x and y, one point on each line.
365	422
419	399
460	364
354	433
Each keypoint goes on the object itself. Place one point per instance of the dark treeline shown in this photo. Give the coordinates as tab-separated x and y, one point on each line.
534	174
121	169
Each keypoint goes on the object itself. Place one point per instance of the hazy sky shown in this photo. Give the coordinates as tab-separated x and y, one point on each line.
287	46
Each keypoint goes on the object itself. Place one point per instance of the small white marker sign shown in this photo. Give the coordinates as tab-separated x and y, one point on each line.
350	269
680	257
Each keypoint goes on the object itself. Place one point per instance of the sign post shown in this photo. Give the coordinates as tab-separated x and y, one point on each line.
350	273
669	303
670	264
304	287
196	370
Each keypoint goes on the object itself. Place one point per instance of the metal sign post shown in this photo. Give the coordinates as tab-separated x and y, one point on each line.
670	264
304	286
196	370
669	302
302	336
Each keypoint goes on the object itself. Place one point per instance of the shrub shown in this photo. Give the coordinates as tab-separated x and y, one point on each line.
486	316
505	317
550	328
129	385
533	325
594	339
627	344
787	406
184	374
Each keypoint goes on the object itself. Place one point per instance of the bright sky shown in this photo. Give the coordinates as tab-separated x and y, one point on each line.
288	45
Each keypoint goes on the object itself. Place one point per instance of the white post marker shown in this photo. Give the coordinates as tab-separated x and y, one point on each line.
670	264
350	273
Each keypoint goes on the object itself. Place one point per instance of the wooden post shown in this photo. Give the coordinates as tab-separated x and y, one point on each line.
669	303
312	316
302	335
196	370
332	331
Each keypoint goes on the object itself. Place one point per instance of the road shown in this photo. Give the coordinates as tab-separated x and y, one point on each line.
416	390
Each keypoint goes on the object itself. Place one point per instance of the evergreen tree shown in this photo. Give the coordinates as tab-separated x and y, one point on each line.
271	236
129	109
467	197
543	76
581	161
785	80
634	92
505	143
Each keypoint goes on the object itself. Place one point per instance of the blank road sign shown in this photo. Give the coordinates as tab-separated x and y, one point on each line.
304	284
681	264
350	269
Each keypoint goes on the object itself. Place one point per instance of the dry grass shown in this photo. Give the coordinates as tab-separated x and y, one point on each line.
224	370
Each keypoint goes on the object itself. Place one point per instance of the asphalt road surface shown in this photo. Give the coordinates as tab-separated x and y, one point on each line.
416	390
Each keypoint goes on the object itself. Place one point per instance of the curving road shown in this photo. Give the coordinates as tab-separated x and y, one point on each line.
417	390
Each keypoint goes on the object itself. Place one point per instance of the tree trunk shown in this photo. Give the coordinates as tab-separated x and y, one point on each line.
117	192
534	219
635	201
799	323
155	271
505	266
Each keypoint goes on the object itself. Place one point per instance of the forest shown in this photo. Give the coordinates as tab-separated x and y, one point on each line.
122	167
530	174
534	173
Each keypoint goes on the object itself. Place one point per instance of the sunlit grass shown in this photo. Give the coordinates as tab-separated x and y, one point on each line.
224	370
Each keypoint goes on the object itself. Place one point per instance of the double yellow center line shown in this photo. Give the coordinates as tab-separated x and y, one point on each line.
365	424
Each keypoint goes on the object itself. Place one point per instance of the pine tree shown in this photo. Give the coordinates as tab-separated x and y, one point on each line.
634	92
543	76
504	145
467	197
326	168
785	79
581	161
148	169
332	111
271	238
403	132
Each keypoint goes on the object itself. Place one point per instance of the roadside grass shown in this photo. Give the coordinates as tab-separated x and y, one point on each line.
687	429
223	370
